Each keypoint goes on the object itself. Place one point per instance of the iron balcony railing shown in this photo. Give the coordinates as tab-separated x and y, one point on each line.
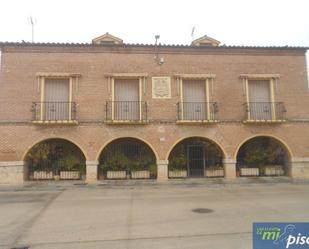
197	111
127	111
53	111
265	111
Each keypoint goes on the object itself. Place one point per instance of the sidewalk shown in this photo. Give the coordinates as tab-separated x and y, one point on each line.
188	182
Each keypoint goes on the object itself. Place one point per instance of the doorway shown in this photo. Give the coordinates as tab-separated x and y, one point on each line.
196	162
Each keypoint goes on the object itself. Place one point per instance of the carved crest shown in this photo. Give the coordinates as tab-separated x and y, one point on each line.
161	87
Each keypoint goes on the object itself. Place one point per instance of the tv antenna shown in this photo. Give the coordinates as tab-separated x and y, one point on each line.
159	61
32	23
192	33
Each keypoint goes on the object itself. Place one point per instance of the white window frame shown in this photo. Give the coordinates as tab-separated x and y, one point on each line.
208	78
141	77
41	85
271	78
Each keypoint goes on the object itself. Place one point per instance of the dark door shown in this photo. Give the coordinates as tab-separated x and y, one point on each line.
196	162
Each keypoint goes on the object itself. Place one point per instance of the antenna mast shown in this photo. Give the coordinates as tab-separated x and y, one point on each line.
192	33
32	23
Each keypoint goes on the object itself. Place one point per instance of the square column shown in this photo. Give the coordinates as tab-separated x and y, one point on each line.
91	171
11	172
229	168
162	172
299	167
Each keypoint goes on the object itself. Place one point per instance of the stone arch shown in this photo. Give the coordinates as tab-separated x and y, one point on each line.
281	141
54	158
196	157
135	137
127	157
186	137
263	155
56	137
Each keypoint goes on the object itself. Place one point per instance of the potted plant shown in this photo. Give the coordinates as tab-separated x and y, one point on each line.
273	170
153	170
70	167
42	172
116	166
139	167
215	171
39	163
254	161
177	166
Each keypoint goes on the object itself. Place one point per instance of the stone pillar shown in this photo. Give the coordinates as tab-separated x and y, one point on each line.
162	172
11	172
91	171
229	168
299	167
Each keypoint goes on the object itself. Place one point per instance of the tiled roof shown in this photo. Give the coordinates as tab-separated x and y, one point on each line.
52	44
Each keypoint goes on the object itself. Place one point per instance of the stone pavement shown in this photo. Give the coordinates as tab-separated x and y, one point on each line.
139	215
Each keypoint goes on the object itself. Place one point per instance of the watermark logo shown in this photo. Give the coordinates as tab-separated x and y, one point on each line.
279	235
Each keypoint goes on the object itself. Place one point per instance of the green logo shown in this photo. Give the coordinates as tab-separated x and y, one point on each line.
268	233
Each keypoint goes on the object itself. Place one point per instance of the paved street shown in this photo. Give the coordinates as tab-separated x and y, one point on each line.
149	216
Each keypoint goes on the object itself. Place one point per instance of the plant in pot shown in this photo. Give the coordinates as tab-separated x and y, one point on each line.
139	171
177	166
140	164
39	162
116	165
153	170
254	161
70	167
214	171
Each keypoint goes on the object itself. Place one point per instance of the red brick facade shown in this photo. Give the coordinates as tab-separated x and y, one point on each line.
20	86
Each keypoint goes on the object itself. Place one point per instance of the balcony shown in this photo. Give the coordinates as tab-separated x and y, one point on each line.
264	112
197	112
54	113
126	112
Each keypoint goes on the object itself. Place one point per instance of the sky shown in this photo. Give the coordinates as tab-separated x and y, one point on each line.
232	22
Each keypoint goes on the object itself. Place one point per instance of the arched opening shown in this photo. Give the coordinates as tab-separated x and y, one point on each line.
196	157
262	156
55	159
126	158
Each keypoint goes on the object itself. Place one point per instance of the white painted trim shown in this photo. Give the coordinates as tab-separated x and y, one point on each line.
140	97
194	76
92	163
272	99
11	163
229	161
207	99
300	159
113	97
162	162
259	76
70	97
181	97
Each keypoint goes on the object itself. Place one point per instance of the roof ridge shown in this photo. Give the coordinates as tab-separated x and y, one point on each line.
148	45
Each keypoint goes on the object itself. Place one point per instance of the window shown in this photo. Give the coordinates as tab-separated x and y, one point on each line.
126	99
195	104
260	103
56	105
126	105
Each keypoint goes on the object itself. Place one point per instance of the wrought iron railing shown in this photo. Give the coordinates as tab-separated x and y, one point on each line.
271	111
131	111
197	111
53	111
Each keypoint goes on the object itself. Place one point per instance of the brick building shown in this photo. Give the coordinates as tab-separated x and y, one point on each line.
113	110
